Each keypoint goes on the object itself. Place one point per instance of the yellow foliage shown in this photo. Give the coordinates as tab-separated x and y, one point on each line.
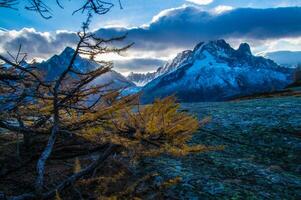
171	182
159	128
150	130
57	196
77	166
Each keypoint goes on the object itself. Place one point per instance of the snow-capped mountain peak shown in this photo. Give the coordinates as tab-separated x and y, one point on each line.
142	79
57	63
175	63
215	71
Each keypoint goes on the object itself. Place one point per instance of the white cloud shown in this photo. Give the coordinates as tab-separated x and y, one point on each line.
221	9
292	44
36	44
286	3
174	30
201	2
166	12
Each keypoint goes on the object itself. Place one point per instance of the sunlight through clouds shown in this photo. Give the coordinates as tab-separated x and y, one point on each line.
201	2
222	8
266	27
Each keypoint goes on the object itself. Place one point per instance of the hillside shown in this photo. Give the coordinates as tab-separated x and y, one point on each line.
57	63
214	71
261	156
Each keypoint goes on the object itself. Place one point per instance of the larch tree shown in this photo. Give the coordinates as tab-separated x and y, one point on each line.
71	105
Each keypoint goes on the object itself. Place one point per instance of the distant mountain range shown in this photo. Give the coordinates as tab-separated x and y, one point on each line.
141	79
289	59
214	71
57	63
285	58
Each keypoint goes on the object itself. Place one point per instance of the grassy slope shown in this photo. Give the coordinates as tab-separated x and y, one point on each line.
262	156
292	90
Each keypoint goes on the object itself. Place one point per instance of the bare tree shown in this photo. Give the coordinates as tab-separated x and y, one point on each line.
63	95
9	4
43	8
64	106
71	105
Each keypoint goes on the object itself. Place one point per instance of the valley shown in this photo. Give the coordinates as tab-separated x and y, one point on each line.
261	157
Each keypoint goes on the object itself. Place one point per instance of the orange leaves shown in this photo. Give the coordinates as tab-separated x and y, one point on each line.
149	130
157	128
77	166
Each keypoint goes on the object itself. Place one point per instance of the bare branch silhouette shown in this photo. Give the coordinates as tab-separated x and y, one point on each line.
9	4
43	8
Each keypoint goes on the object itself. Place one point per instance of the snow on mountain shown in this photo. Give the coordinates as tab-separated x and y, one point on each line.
141	79
214	71
285	58
175	63
56	64
116	80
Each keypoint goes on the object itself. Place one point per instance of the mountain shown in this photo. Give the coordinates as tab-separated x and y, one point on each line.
141	79
214	71
285	58
55	65
178	61
58	63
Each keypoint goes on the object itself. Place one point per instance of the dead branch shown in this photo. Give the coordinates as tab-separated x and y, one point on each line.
72	179
9	4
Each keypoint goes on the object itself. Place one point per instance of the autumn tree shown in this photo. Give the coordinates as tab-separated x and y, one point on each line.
71	105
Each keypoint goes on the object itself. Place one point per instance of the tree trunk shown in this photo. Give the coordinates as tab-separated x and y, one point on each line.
27	138
70	180
42	160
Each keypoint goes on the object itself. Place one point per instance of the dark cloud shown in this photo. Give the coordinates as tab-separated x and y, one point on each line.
173	29
138	64
36	44
186	26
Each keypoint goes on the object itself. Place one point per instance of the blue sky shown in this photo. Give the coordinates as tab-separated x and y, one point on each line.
159	28
135	13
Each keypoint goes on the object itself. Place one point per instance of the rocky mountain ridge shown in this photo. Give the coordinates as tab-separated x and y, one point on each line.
57	63
214	71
